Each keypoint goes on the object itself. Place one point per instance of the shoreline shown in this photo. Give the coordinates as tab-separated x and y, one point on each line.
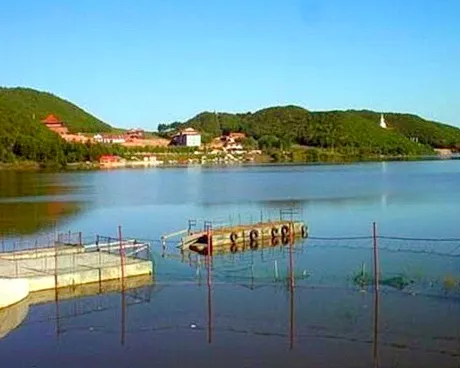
90	166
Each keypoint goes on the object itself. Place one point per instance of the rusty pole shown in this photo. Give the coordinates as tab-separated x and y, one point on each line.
122	259
376	258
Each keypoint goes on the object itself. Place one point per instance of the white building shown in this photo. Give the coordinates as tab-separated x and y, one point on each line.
109	138
383	124
188	137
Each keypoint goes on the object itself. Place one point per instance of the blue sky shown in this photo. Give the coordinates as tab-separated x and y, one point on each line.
141	63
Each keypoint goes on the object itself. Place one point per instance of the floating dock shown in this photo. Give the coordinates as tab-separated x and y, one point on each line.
232	237
241	247
69	265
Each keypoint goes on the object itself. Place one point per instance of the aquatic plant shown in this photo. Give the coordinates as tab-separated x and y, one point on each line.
362	278
399	282
450	283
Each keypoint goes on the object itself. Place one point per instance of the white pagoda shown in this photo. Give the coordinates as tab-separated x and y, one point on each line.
383	124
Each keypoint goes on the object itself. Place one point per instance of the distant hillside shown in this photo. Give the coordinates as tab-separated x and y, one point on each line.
34	106
23	136
354	132
428	132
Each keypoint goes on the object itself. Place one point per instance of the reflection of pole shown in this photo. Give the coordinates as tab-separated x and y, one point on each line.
291	294
376	296
251	286
376	330
208	256
56	302
123	316
56	295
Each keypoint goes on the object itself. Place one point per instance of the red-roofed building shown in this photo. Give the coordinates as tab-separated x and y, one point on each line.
54	124
109	161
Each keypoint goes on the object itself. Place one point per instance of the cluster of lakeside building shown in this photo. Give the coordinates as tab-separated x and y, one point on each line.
225	149
130	137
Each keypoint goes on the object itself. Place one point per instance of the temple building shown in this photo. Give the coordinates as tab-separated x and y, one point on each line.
54	124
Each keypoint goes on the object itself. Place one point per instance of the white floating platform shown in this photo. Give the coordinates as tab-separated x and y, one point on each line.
72	266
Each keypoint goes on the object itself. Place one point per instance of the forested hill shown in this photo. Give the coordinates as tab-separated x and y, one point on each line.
349	131
24	137
31	106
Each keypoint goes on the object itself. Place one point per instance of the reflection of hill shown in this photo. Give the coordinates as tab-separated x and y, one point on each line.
22	218
34	201
32	184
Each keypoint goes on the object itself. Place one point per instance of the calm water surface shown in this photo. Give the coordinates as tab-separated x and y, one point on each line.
251	315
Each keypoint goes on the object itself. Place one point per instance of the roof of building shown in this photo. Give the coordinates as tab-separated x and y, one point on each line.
237	135
189	131
51	119
109	136
109	157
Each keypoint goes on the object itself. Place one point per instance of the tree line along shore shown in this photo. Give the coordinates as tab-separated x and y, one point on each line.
275	134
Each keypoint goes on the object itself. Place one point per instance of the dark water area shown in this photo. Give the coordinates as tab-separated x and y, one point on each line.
296	305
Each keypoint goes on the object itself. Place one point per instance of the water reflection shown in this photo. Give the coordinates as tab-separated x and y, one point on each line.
73	303
257	302
24	218
33	202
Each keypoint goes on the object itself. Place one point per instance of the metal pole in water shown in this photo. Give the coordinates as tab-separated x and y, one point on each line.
376	258
122	259
276	270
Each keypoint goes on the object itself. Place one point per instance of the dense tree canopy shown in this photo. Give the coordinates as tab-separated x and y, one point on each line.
24	137
353	133
350	132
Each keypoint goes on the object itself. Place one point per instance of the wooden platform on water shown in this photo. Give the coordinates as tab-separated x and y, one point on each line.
241	247
242	234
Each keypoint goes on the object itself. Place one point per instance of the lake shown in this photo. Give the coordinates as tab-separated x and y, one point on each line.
294	305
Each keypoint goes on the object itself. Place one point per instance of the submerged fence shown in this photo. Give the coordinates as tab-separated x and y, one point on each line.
72	259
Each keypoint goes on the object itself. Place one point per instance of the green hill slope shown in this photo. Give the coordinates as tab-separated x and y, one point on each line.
24	137
35	106
350	132
412	126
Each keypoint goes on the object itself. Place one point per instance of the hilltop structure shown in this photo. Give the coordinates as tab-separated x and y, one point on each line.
383	124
